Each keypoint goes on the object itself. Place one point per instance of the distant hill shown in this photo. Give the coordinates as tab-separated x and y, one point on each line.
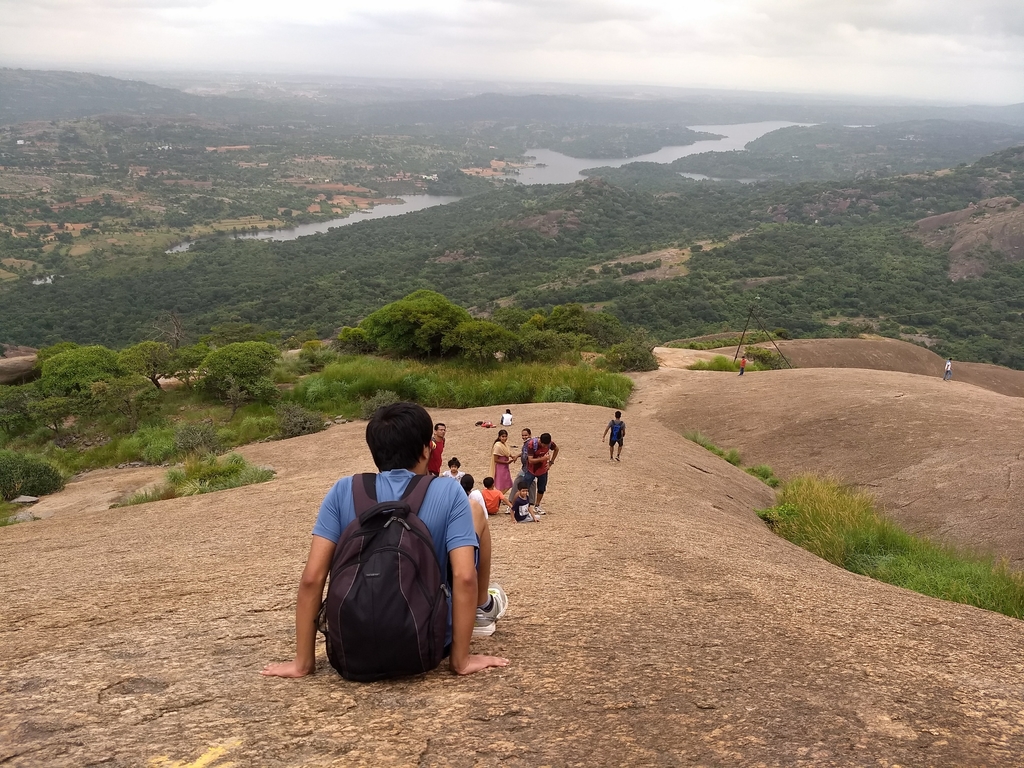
27	95
832	151
54	95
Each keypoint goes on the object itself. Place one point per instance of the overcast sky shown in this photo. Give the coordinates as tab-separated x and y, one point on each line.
949	50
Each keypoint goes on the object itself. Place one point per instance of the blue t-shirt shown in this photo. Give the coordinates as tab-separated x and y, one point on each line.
445	511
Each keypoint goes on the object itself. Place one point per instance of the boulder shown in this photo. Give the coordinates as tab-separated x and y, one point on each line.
25	500
17	370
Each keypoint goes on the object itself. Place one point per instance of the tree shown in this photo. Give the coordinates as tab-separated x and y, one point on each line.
481	340
72	372
172	328
14	412
354	341
52	412
568	318
152	359
45	353
634	354
130	396
234	333
241	372
415	325
186	361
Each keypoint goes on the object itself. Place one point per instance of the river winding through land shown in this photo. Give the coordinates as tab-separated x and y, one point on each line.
548	167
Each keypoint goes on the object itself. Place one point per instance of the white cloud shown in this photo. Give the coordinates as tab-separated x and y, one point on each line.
944	49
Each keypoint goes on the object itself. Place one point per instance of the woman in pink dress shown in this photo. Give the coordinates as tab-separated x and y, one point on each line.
501	457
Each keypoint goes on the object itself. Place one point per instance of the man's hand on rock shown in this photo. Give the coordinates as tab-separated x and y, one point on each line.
288	669
477	663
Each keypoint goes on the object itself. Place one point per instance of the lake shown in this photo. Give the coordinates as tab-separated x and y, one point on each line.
558	169
562	169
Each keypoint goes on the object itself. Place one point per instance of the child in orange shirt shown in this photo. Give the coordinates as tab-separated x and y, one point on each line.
493	499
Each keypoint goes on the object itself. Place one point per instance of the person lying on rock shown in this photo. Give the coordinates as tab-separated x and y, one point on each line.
372	645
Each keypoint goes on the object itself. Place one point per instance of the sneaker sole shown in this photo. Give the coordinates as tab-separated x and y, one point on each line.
484	631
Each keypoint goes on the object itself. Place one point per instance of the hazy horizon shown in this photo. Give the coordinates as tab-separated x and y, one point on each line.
934	50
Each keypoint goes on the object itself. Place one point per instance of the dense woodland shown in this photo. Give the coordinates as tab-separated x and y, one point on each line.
835	251
816	258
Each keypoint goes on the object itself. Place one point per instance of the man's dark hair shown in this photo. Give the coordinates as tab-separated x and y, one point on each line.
618	414
397	435
439	424
488	482
545	439
467	482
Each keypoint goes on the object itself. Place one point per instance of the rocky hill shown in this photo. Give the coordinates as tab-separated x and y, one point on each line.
654	619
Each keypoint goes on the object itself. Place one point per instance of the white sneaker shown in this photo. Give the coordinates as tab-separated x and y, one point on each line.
484	626
539	510
500	600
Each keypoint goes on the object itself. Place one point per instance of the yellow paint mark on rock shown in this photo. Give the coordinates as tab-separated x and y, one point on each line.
209	759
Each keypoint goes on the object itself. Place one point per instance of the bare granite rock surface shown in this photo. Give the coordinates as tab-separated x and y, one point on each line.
654	621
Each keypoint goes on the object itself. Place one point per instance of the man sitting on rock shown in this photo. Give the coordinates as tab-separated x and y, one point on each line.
399	437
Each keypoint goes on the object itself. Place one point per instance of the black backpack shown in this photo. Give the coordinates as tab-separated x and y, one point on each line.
386	613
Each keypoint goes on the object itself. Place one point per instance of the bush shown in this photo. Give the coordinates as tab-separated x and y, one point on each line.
196	438
294	421
380	398
634	354
717	363
354	341
21	474
255	428
766	359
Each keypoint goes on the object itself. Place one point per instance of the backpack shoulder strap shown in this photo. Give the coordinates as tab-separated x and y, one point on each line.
364	491
416	492
364	495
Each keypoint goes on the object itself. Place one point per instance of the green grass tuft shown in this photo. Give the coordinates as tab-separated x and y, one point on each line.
843	526
204	474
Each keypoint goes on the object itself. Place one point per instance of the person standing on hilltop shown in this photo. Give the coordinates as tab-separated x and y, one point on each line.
524	472
540	457
501	459
617	427
948	375
436	449
743	364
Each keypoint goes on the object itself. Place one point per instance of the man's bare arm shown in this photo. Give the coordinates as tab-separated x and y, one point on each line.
464	603
307	606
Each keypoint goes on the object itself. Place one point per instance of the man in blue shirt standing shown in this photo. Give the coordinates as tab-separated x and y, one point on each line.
399	439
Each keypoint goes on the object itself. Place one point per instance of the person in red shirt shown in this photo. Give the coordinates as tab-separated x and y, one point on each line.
540	455
436	449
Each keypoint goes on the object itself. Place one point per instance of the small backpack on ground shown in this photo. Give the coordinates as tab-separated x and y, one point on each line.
386	613
617	430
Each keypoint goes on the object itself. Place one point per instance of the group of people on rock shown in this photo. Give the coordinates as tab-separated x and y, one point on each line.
522	496
382	618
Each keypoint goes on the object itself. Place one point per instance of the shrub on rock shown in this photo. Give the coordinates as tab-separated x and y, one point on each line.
26	475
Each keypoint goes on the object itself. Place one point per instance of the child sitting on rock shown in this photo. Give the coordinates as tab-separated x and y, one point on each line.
522	509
